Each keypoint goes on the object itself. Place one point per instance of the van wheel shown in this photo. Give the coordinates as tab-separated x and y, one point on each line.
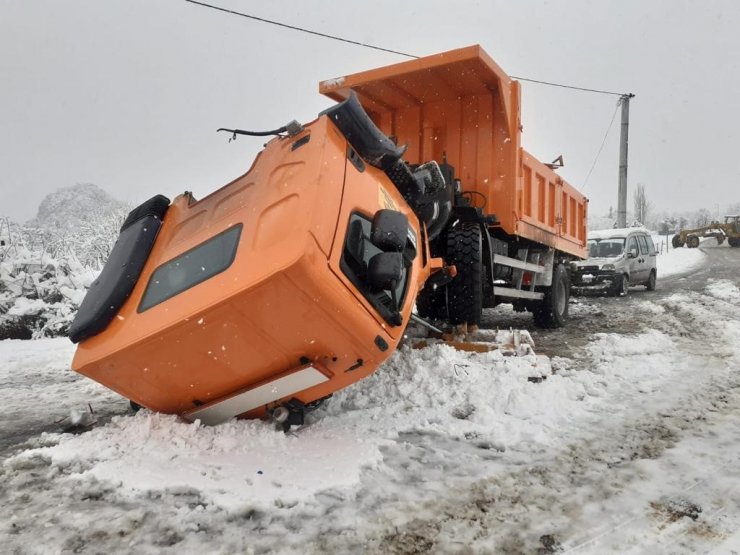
552	311
465	291
621	287
650	283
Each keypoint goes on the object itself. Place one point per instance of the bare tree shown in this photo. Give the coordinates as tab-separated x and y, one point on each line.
642	204
703	218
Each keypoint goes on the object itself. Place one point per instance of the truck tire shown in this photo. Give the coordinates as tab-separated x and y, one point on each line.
432	304
465	291
552	311
677	242
734	241
692	241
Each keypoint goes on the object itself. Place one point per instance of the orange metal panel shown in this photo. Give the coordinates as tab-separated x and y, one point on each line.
249	323
461	107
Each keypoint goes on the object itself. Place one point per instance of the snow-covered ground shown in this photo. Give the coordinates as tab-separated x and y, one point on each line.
632	446
678	261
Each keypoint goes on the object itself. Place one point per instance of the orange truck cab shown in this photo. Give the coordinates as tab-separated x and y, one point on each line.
289	283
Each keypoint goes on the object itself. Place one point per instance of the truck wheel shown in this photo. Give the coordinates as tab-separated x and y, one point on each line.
650	283
677	242
432	304
465	291
552	311
692	241
734	241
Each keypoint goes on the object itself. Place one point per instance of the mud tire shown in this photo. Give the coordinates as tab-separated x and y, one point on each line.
734	241
620	288
552	311
650	283
465	291
432	304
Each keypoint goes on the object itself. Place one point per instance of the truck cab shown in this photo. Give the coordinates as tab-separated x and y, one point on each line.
287	284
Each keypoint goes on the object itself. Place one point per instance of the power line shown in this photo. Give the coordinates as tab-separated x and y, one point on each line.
566	86
271	22
603	142
372	46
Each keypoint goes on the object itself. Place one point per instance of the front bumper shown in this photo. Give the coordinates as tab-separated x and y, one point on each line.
592	279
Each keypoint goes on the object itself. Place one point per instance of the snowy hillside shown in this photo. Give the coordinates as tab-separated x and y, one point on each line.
68	207
47	264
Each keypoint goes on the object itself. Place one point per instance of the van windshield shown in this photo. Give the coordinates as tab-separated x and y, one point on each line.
606	248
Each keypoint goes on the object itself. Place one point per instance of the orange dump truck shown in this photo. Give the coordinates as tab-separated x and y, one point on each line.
299	277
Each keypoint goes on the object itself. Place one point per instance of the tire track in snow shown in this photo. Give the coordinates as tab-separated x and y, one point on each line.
514	513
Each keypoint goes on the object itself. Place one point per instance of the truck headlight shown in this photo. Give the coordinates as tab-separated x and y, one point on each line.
608	267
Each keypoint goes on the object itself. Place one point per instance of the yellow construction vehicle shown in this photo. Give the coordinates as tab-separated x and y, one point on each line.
729	230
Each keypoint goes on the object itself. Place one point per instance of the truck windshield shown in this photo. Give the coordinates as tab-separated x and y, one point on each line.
358	250
606	248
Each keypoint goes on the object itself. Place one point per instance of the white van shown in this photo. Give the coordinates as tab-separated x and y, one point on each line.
618	258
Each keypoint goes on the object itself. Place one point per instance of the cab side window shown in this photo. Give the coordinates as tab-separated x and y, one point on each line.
643	245
651	245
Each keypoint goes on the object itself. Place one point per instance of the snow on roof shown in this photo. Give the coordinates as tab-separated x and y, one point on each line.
616	232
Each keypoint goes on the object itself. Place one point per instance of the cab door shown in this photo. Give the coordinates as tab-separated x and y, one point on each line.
633	252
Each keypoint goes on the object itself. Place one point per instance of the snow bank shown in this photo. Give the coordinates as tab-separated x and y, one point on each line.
240	463
723	289
497	402
678	261
246	463
39	294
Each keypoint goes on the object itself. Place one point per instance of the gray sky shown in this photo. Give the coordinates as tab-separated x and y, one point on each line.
127	94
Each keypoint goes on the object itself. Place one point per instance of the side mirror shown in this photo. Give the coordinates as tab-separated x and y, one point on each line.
632	253
389	230
385	270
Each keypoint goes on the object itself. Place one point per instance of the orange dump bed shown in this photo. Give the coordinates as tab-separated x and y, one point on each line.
460	106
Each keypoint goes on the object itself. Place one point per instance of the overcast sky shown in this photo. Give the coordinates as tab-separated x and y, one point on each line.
127	94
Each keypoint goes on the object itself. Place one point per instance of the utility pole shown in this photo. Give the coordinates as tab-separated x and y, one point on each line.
623	140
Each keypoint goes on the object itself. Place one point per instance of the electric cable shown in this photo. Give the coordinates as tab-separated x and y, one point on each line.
301	29
374	47
603	142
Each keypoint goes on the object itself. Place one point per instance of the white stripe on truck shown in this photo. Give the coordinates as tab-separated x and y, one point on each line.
220	411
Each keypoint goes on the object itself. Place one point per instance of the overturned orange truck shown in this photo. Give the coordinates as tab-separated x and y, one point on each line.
299	277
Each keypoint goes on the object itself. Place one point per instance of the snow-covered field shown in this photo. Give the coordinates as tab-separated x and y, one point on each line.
632	446
677	261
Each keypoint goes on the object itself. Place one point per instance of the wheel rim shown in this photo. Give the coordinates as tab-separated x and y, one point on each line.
625	285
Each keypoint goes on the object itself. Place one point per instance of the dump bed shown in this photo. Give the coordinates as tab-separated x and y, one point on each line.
460	107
